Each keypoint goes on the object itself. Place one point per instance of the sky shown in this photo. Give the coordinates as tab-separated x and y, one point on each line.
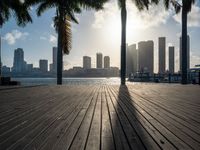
101	32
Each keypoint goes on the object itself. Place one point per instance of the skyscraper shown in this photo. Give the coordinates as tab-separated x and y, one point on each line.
18	64
99	61
131	59
188	52
44	65
54	69
106	62
161	52
86	62
29	67
51	67
146	56
171	59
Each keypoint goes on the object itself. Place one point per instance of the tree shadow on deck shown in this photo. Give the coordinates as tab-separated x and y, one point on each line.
127	130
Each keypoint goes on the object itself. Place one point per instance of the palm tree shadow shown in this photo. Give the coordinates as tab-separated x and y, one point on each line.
128	133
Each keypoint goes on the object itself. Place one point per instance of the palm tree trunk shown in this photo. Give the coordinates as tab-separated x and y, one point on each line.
184	47
123	43
59	60
0	59
59	52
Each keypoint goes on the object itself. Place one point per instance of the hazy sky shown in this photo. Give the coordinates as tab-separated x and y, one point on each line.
100	32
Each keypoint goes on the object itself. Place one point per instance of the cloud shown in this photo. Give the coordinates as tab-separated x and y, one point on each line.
12	37
43	38
193	17
52	39
195	59
137	19
52	25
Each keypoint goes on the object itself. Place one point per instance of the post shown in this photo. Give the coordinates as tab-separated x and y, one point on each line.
123	43
0	59
170	79
199	77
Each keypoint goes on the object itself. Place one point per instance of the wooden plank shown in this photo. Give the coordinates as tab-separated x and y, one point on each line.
170	111
48	138
17	124
176	137
107	140
177	128
121	141
80	139
147	139
32	103
35	126
70	134
79	117
167	102
133	139
144	120
94	137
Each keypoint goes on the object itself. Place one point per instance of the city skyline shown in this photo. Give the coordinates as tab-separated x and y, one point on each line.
21	66
39	40
135	59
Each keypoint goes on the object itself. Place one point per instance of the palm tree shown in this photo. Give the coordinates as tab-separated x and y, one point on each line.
140	4
186	8
14	8
65	14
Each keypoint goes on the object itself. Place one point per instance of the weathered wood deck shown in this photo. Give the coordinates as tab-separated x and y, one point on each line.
108	117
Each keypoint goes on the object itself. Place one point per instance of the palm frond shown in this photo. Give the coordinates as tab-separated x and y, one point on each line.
45	5
4	13
186	5
66	35
144	4
92	4
176	6
14	8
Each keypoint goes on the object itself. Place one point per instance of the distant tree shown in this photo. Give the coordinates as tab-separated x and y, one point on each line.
65	14
140	4
186	7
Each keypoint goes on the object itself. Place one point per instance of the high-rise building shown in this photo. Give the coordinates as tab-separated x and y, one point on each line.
86	62
131	59
18	64
29	67
44	65
188	52
55	50
51	67
99	61
171	59
106	62
146	57
161	52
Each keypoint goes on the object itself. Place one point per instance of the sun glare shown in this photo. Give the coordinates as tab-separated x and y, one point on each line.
113	30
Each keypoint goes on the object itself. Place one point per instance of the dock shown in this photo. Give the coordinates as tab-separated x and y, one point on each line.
100	117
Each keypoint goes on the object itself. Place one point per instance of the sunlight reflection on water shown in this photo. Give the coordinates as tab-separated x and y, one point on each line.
68	81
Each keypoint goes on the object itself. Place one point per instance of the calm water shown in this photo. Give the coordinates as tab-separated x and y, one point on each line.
69	81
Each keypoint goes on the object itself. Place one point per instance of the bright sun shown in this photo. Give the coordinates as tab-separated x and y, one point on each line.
113	30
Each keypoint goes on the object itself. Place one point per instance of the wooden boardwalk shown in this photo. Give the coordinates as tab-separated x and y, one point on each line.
107	117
